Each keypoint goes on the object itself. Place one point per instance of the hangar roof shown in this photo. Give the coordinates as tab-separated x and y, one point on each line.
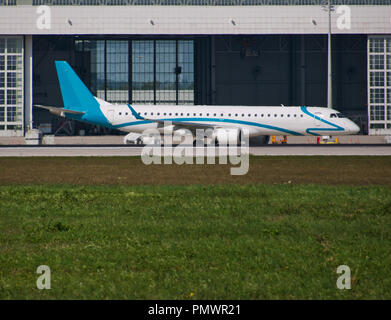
193	2
192	17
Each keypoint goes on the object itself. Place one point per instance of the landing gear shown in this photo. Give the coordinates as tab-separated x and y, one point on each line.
259	140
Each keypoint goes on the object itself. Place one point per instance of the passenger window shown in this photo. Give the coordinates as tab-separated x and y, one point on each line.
249	115
282	116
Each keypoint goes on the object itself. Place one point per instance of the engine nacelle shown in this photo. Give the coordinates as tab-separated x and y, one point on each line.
259	140
229	136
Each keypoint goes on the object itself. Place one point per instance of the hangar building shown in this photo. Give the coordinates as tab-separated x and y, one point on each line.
214	52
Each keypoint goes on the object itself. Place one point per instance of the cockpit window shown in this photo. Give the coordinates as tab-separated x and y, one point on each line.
337	115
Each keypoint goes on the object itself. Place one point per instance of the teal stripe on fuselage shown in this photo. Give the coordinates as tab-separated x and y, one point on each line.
255	124
308	130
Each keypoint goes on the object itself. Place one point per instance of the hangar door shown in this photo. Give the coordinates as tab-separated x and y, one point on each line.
138	71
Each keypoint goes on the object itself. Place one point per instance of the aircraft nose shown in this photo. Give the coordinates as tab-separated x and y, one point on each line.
354	128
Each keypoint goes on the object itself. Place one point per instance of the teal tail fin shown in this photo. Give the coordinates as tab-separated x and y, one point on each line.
77	97
75	94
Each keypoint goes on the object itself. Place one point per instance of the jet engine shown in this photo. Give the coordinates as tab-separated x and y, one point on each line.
227	136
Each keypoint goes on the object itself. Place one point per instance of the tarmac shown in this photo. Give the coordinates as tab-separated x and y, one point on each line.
105	146
126	151
118	140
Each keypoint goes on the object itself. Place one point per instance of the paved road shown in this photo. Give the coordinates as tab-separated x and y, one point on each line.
120	150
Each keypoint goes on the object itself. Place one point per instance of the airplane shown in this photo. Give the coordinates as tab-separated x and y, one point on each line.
81	105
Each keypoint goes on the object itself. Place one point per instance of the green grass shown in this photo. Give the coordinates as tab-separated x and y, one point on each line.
195	242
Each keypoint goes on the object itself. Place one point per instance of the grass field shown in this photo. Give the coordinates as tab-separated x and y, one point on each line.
194	232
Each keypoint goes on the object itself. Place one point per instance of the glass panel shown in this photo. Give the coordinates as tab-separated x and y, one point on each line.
2	62
376	79
376	45
11	79
117	72
2	113
165	72
14	63
376	62
2	45
14	45
377	113
142	71
388	112
2	80
377	126
97	76
377	95
11	97
186	77
2	97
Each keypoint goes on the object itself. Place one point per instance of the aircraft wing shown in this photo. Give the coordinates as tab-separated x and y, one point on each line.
183	124
58	111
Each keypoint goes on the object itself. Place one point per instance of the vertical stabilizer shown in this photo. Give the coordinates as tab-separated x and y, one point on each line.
77	97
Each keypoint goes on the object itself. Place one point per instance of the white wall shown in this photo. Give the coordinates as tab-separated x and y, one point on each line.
191	20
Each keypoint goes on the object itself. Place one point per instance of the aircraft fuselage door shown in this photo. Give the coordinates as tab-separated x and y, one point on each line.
110	115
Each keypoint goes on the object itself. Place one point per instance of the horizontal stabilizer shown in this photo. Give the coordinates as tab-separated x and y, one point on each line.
58	111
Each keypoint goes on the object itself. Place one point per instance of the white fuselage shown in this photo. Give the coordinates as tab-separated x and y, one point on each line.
257	120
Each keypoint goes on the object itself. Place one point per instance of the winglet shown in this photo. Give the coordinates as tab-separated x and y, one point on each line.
135	114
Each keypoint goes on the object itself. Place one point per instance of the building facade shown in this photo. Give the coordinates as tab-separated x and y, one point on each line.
202	52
